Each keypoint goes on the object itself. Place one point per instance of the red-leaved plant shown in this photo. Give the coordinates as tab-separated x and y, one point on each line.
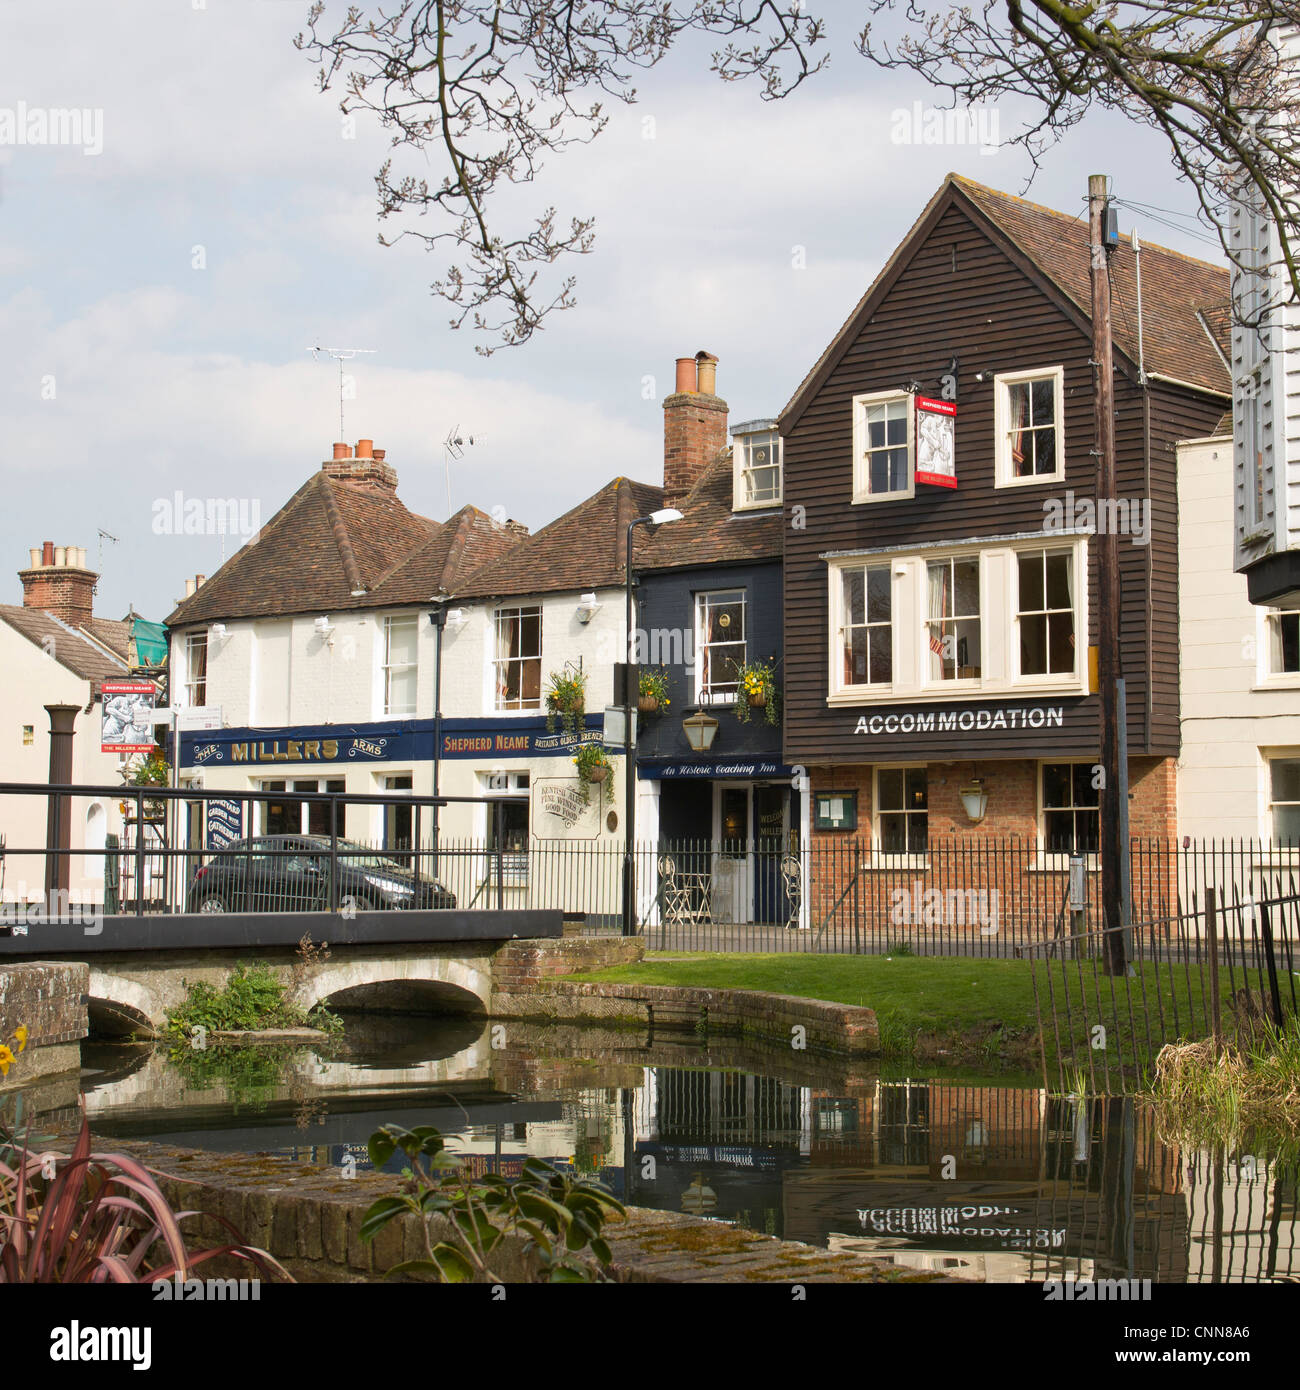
96	1218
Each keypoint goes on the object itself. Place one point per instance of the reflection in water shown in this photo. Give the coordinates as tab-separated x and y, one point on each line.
997	1183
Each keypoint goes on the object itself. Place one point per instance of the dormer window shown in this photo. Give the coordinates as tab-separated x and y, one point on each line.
756	465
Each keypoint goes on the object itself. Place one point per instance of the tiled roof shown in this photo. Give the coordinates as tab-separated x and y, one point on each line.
710	533
1183	299
339	544
114	635
1175	287
582	550
64	643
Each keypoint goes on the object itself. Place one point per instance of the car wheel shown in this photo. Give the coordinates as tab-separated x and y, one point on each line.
212	904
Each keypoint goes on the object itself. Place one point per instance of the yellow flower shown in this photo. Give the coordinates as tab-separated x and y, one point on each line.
20	1036
6	1060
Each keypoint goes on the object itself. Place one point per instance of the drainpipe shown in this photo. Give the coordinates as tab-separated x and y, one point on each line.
58	823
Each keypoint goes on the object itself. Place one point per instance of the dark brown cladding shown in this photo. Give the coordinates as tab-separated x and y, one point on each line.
962	290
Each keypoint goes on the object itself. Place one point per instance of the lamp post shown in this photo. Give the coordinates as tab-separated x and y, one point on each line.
658	518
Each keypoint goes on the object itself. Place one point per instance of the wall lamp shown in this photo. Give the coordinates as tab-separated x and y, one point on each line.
587	607
700	730
323	627
220	631
456	619
975	800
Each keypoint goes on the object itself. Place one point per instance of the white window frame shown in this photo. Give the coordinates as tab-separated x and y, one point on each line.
939	683
1271	756
841	625
741	467
1054	859
388	668
720	697
1004	475
1079	583
999	625
1269	621
898	859
497	661
194	640
861	475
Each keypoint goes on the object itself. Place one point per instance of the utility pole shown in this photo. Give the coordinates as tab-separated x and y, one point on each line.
1114	778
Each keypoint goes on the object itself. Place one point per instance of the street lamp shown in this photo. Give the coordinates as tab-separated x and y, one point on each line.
658	518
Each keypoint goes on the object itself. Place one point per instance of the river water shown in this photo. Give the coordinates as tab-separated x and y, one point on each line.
992	1179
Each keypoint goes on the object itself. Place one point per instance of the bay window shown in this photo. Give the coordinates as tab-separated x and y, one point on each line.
1004	617
757	469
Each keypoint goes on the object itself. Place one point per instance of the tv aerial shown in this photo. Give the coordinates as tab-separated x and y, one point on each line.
341	355
453	447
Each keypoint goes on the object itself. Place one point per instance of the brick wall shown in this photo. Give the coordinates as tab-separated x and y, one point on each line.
1001	854
695	432
59	589
48	998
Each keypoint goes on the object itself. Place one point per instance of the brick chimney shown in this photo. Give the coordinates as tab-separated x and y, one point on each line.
58	582
367	465
695	425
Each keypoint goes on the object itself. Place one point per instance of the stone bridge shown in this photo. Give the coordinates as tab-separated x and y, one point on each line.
397	962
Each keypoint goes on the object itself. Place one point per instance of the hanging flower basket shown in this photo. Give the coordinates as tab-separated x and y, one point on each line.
566	701
756	689
593	766
652	690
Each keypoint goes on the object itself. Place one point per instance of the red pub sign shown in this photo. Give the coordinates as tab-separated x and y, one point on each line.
936	442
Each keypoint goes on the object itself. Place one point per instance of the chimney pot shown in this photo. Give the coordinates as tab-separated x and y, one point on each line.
60	556
707	373
343	451
35	556
365	448
199	579
380	455
47	553
686	375
189	588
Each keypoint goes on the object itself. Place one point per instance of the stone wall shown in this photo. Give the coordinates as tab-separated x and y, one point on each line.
48	998
780	1020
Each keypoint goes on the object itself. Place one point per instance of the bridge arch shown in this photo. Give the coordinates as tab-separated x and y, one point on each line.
433	985
118	1007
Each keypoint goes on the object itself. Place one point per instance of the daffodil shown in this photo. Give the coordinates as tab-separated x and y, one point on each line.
6	1060
20	1036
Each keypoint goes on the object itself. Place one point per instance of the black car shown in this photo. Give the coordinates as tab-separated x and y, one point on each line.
291	873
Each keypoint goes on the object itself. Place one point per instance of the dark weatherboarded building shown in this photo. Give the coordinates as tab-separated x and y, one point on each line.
940	584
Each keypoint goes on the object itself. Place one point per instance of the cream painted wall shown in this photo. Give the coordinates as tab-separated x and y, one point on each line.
32	681
339	680
1232	708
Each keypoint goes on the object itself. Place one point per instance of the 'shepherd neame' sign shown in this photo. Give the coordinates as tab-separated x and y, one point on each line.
952	721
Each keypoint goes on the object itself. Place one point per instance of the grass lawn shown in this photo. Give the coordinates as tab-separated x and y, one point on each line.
969	1009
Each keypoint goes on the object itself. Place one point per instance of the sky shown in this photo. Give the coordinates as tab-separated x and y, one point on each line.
158	296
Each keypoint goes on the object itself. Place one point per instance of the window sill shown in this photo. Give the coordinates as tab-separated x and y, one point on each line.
772	506
883	863
517	713
1289	680
1060	864
1002	481
861	498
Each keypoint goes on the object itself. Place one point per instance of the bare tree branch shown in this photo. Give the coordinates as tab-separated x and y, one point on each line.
487	89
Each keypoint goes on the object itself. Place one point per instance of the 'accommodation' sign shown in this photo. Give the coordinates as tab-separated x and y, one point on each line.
961	721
